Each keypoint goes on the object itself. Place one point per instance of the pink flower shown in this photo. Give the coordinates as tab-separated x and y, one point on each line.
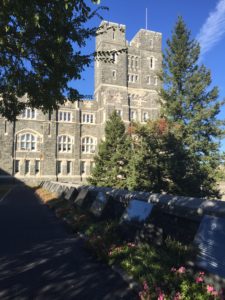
177	296
145	286
132	245
201	273
199	279
181	270
161	296
173	269
215	293
209	289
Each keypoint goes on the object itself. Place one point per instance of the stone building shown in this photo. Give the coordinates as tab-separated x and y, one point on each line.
61	146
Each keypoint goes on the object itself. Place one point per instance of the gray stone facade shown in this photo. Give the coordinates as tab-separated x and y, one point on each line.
61	146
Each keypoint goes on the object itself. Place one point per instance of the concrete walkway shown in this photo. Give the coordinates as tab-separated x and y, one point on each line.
40	260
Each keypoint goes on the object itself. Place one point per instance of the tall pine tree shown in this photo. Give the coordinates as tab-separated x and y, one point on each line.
113	155
193	106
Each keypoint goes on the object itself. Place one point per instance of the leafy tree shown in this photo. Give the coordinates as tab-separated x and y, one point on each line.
193	106
111	163
40	52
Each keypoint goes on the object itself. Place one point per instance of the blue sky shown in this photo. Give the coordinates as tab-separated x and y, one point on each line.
205	19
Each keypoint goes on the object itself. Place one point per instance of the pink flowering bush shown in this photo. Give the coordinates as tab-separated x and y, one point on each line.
160	268
184	287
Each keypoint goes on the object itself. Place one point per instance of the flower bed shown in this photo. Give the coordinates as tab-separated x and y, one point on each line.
161	269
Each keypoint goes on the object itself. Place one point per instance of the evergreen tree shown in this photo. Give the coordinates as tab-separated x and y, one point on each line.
113	155
190	103
158	161
146	171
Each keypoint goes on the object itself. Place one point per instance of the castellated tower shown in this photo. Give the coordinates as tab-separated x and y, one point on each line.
129	83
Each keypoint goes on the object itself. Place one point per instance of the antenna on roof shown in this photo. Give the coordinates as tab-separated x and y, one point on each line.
146	18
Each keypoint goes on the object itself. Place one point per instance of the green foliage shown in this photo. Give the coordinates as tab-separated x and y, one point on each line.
40	46
111	163
160	268
190	103
159	161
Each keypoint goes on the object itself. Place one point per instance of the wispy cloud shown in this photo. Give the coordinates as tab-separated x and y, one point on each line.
213	29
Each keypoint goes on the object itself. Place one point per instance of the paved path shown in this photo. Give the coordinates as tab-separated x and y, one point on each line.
40	260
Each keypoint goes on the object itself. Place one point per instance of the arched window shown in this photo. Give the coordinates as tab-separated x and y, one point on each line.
88	145
27	141
64	143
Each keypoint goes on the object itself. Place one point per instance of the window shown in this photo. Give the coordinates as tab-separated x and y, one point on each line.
114	74
119	112
6	127
151	43
145	117
37	166
152	63
155	80
65	116
82	167
132	61
88	145
88	118
27	166
64	143
136	62
27	142
17	166
133	115
68	167
113	35
114	57
49	129
92	165
148	79
133	78
59	166
28	113
128	60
